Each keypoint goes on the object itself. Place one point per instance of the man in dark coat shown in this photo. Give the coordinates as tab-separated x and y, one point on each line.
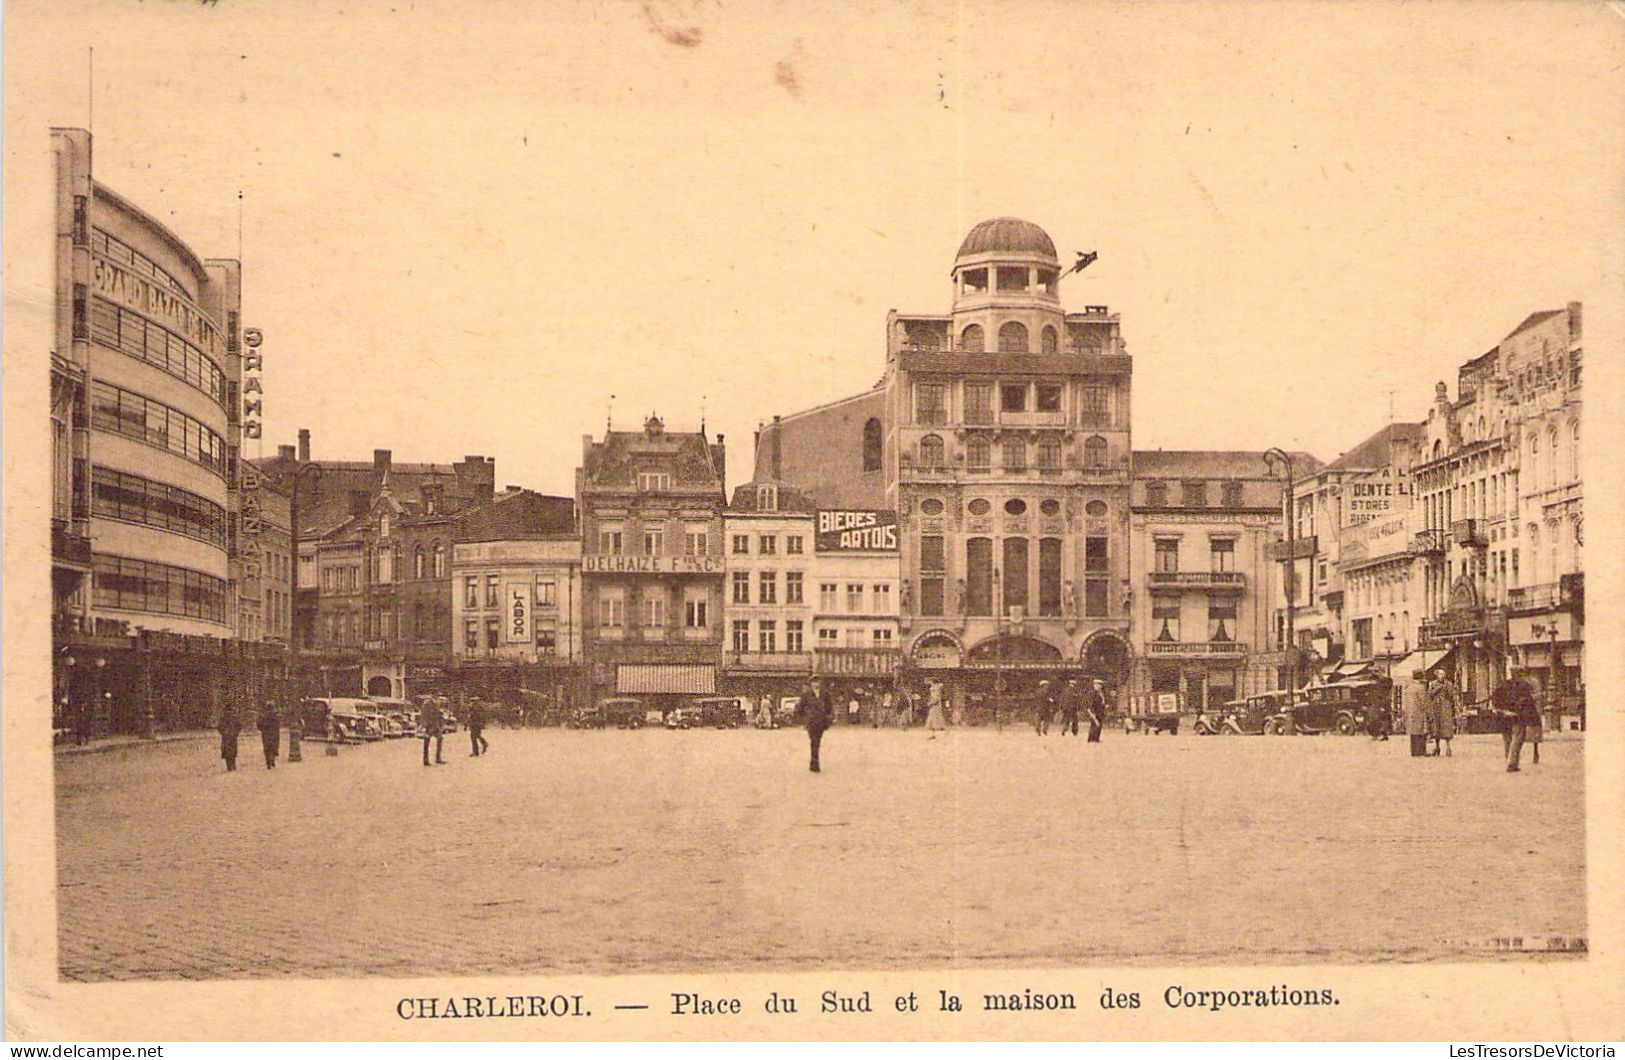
1044	708
270	726
1515	701
1095	705
431	726
1071	706
816	708
476	728
229	728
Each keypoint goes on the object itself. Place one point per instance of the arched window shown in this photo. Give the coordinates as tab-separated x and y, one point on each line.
1094	452
1438	450
1551	460
871	445
1015	454
1049	454
417	562
1013	337
970	340
1049	342
978	453
1574	451
439	559
931	451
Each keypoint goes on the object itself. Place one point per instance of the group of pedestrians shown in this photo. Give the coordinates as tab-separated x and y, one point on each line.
1431	706
1074	703
432	726
269	723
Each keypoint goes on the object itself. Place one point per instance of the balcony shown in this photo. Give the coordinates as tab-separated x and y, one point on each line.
1469	533
772	661
68	548
1198	579
1551	596
964	362
1428	543
858	662
1209	647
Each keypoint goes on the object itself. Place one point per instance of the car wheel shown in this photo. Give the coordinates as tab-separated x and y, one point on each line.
1345	725
1276	727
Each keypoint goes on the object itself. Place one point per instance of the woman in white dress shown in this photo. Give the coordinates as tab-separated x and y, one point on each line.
936	718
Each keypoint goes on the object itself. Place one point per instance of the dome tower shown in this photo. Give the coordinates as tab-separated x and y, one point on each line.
1007	289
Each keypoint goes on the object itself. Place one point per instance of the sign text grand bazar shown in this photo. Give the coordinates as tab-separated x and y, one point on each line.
158	302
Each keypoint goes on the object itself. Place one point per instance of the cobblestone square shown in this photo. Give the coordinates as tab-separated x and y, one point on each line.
657	851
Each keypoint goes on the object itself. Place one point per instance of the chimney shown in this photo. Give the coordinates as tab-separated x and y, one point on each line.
773	444
285	452
380	459
431	497
1574	321
304	445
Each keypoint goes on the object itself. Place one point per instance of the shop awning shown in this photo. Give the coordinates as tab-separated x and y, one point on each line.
666	679
1406	665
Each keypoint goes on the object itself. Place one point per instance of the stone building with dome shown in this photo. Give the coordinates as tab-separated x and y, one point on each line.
1000	433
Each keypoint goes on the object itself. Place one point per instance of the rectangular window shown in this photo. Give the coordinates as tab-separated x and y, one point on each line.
492	599
1193	494
1049	576
609	540
741	584
1156	494
471	636
547	642
932	556
827	638
792	636
471	591
493	633
741	635
854	598
1096	557
792	544
741	544
612	610
882	599
930	403
767	545
931	596
1095	600
547	593
1231	494
767	587
979	403
653	481
654	610
1095	406
979	576
1013	397
1167	555
1048	397
695	612
696	542
1221	620
882	638
792	587
767	636
828	597
854	638
1015	572
1222	554
1165	618
654	541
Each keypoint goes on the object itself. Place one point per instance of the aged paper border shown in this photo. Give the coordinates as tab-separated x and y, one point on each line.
1559	1000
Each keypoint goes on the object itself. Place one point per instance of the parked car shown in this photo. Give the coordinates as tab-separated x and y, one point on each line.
684	718
1343	707
623	712
723	712
1251	716
350	719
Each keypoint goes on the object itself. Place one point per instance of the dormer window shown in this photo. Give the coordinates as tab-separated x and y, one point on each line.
767	498
653	481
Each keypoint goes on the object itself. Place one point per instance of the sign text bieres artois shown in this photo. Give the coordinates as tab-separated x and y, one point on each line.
862	530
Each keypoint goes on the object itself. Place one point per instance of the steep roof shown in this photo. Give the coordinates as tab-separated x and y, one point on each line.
1378	450
519	514
1535	318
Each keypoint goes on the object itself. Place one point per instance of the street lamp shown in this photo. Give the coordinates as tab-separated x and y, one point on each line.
1271	457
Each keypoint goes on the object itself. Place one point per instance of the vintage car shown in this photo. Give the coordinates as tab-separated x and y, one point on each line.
722	712
686	717
345	719
1250	716
623	712
1343	707
1158	712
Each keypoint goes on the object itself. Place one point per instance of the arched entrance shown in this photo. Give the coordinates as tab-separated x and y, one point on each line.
1106	656
381	686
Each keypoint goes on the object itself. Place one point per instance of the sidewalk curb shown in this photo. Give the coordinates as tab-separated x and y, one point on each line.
122	744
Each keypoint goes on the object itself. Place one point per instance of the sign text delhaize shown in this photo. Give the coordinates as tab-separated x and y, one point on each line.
863	530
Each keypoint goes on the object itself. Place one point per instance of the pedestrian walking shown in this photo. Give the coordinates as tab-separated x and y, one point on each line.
888	704
1095	706
1444	704
477	717
270	726
1071	706
819	713
936	716
1044	708
1414	703
230	727
431	726
764	712
1381	721
905	708
853	708
1514	700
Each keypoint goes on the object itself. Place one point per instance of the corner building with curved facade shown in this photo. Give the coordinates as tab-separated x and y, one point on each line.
1000	433
144	374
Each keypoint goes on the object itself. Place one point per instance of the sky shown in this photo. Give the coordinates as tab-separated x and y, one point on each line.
487	227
